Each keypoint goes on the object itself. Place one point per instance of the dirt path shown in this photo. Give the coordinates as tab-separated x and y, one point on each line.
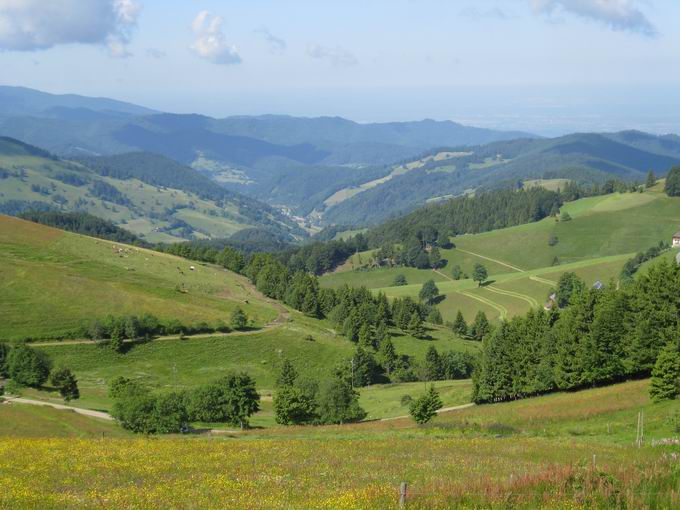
499	308
514	268
442	410
510	293
87	412
542	280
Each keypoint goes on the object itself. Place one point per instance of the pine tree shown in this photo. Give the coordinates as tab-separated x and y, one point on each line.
480	327
366	337
460	327
239	320
415	325
424	408
387	356
433	365
310	305
651	179
287	375
665	383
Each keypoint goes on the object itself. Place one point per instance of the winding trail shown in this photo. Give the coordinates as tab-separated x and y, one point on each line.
499	308
514	268
542	280
87	412
511	293
439	411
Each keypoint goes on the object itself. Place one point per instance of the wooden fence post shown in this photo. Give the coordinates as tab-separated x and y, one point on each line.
402	495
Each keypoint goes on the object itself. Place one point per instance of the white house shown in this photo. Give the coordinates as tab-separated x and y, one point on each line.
676	240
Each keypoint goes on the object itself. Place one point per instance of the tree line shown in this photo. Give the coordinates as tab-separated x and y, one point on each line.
601	337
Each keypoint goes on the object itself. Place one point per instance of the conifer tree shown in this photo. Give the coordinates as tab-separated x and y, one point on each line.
665	383
480	327
460	327
424	408
287	375
415	325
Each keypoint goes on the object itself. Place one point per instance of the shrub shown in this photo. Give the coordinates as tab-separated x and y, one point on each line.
424	408
239	320
67	384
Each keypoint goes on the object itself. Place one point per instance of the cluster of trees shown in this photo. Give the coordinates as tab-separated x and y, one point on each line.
602	336
83	223
303	401
231	399
479	328
420	250
320	257
115	330
26	366
633	264
468	215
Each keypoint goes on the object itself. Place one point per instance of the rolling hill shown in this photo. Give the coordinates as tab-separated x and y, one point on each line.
523	264
56	283
150	195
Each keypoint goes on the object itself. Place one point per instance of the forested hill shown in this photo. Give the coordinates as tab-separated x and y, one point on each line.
470	215
152	196
586	158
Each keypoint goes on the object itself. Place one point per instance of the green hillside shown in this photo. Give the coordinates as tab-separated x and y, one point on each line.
151	196
54	283
604	231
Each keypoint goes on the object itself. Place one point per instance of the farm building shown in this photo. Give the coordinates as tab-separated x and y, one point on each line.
676	240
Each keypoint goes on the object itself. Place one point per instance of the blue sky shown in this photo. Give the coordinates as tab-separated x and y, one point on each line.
548	66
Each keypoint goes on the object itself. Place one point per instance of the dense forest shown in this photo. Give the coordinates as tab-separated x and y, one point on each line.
602	336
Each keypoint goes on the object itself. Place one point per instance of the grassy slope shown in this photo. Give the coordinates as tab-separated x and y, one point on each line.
538	452
603	233
204	215
169	364
54	282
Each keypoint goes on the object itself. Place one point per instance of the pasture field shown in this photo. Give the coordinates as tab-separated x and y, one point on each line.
54	283
552	452
167	364
20	420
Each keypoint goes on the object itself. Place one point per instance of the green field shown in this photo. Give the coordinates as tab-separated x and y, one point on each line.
20	420
604	232
53	283
564	451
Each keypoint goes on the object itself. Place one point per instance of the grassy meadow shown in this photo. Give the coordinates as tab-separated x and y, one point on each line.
53	283
562	451
523	267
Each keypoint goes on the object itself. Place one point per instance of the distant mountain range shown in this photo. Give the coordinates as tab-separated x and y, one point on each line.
587	158
324	170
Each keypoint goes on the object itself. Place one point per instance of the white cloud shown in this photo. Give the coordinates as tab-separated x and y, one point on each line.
210	42
336	56
621	15
276	44
30	25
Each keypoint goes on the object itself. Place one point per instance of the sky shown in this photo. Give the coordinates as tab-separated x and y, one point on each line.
546	66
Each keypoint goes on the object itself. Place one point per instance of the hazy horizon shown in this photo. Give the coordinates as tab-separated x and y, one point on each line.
544	66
